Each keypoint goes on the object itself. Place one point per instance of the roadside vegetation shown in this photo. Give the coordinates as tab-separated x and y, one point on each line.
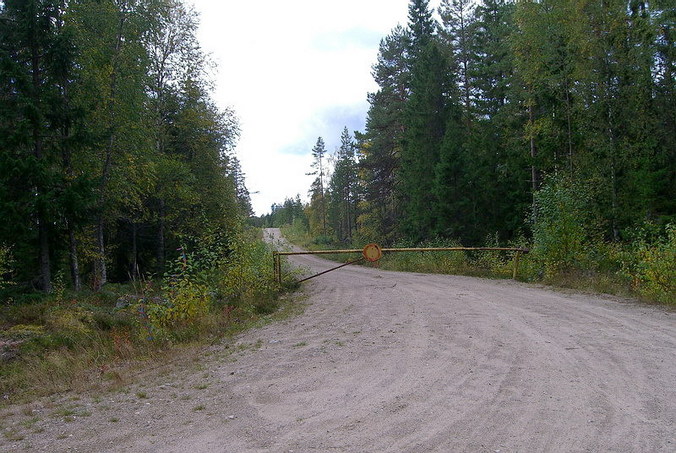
564	252
87	339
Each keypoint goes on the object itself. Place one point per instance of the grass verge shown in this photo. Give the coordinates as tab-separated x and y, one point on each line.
88	340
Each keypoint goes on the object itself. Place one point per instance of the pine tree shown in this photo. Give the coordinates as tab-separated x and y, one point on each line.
317	190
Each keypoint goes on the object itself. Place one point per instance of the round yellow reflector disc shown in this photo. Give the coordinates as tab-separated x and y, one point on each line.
372	252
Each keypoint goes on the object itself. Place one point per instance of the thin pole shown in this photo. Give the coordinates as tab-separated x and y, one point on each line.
332	269
516	264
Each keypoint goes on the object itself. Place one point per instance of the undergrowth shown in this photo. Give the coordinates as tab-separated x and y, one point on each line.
67	340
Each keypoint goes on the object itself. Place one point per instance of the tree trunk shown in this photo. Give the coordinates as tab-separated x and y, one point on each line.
45	271
101	277
160	239
533	154
43	229
570	130
134	251
74	264
613	180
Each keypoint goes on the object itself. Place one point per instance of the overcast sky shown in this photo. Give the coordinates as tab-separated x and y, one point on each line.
293	70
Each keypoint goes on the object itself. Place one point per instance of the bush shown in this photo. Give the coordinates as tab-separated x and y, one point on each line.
652	267
186	304
208	286
433	262
246	279
6	263
563	226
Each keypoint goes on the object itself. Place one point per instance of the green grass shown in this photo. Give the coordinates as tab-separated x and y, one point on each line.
13	435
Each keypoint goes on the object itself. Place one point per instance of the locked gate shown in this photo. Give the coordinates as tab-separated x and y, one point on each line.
373	252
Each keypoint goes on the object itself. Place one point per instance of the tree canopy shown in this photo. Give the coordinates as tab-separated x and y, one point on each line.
112	152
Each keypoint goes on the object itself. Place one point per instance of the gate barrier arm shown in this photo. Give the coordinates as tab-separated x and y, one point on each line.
276	256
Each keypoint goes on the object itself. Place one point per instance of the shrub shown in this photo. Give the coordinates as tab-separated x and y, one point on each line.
563	225
6	263
652	267
204	286
186	304
246	277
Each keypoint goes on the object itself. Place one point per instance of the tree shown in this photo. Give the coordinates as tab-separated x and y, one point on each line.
497	194
36	70
421	25
432	92
456	33
109	139
175	62
113	89
291	212
665	98
343	189
379	148
317	191
468	121
427	114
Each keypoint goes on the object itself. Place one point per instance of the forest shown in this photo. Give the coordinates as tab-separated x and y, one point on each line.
548	124
123	203
112	153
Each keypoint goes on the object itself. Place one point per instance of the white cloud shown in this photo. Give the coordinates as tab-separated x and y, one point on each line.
293	71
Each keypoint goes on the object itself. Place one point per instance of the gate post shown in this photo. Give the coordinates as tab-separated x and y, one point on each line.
276	267
516	264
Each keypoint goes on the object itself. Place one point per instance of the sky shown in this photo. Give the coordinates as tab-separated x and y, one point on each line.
293	70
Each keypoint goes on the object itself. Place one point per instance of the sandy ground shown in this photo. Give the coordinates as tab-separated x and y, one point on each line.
397	362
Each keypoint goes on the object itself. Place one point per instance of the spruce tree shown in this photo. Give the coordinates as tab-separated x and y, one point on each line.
457	31
426	116
379	147
36	59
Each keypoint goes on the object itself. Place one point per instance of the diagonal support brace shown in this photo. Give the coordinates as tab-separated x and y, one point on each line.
332	269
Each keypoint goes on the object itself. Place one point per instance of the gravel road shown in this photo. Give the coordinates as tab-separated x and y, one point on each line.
398	362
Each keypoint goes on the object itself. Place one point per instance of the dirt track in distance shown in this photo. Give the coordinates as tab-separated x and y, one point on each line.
401	362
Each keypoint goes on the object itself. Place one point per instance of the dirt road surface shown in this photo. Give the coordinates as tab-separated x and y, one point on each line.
398	362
